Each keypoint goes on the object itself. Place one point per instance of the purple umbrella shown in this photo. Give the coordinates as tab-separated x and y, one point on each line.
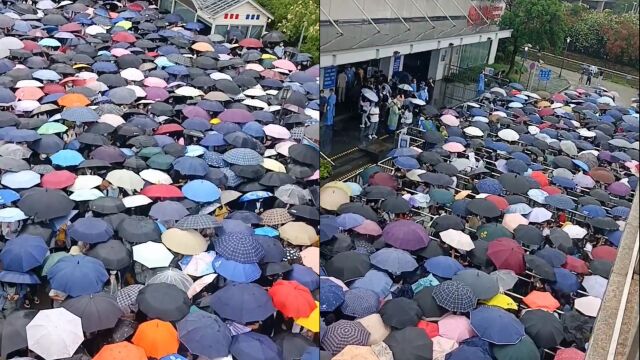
236	116
405	235
619	188
108	153
192	111
156	94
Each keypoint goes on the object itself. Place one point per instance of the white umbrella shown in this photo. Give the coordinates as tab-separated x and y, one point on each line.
606	100
199	284
499	113
156	176
256	103
462	164
28	83
405	87
137	90
574	231
255	91
111	119
85	182
55	333
86	195
531	95
136	200
369	94
506	278
457	239
557	105
188	91
20	180
596	285
515	104
11	43
533	130
473	131
512	221
539	215
220	76
94	29
125	179
200	264
472	104
174	277
588	305
152	255
10	214
508	135
498	90
586	133
132	74
417	102
481	119
415	174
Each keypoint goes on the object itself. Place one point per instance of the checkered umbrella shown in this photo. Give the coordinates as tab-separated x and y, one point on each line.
240	247
79	114
277	216
455	296
343	333
197	222
242	156
126	297
360	302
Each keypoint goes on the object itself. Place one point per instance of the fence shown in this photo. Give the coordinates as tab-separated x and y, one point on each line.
576	66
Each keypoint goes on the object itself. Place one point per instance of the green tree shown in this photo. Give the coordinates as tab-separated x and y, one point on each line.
537	22
297	18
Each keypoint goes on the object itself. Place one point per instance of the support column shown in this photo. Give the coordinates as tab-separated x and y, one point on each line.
492	51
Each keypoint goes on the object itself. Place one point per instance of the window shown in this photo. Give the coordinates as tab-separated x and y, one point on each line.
258	17
256	31
221	30
239	31
186	13
253	16
226	16
165	4
247	17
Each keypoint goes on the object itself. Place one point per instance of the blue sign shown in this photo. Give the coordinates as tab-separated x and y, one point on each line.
396	63
544	74
329	77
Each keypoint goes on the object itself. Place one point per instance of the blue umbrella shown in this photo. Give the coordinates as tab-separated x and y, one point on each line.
253	129
329	227
190	166
213	139
267	231
201	191
47	144
240	247
235	271
305	276
614	237
349	220
620	211
67	158
496	325
23	253
443	266
581	164
19	277
403	152
522	157
564	182
78	275
254	346
90	230
8	196
200	325
592	211
104	67
405	162
554	257
215	159
375	280
79	114
360	302
459	207
242	303
331	295
242	156
21	135
255	195
566	281
498	146
466	352
519	208
560	201
489	186
395	261
273	249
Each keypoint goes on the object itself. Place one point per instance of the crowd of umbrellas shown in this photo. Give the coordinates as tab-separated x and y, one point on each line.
494	241
159	184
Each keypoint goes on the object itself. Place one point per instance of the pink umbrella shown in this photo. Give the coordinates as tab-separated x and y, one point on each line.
311	258
450	112
453	147
456	327
276	131
285	64
314	176
199	265
154	82
569	354
442	346
117	52
511	221
199	284
449	120
283	147
236	116
156	94
368	227
192	111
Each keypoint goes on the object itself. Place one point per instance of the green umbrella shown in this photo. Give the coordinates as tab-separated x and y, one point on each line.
51	128
525	349
160	161
366	173
267	63
51	260
149	151
492	231
441	196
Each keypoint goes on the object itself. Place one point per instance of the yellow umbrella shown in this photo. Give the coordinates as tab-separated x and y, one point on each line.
268	57
202	46
78	66
215	121
543	104
125	24
331	198
462	194
298	233
311	322
339	185
185	242
273	165
502	301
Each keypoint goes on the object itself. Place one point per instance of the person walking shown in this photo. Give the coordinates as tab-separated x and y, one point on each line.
394	113
583	71
327	130
600	76
365	106
431	85
342	86
589	75
374	118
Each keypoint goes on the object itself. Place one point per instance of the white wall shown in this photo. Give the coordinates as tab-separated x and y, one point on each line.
379	9
242	10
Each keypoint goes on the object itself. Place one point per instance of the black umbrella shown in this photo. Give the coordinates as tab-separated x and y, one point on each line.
483	207
540	267
446	222
446	168
276	179
561	240
348	265
478	255
163	301
400	313
396	205
107	205
600	195
377	192
14	331
432	250
528	234
249	171
484	287
563	162
543	327
604	223
426	302
436	179
577	327
46	204
430	157
113	254
97	311
410	343
359	208
274	36
292	345
138	230
514	183
515	199
305	211
601	267
304	154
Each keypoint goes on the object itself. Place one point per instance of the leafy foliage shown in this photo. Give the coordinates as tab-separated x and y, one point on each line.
292	17
325	169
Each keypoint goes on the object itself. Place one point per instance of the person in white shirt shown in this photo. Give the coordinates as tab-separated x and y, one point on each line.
374	117
407	118
365	106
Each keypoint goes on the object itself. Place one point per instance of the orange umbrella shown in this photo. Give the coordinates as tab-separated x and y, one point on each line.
69	100
292	299
541	300
121	351
202	46
540	178
29	93
157	338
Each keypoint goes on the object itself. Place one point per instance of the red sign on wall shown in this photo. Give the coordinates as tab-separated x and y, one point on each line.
231	16
492	11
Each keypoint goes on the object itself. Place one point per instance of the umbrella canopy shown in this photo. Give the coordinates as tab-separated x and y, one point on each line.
47	325
496	325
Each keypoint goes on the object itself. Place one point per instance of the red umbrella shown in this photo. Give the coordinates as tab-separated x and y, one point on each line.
169	128
292	299
430	328
123	36
559	98
604	252
540	178
52	88
576	265
162	191
551	190
498	201
507	254
70	27
31	46
569	354
250	43
545	112
58	179
383	179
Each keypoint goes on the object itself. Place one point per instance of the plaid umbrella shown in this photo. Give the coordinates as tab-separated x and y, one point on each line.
79	115
200	221
242	156
240	247
277	216
127	297
360	302
343	333
454	296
